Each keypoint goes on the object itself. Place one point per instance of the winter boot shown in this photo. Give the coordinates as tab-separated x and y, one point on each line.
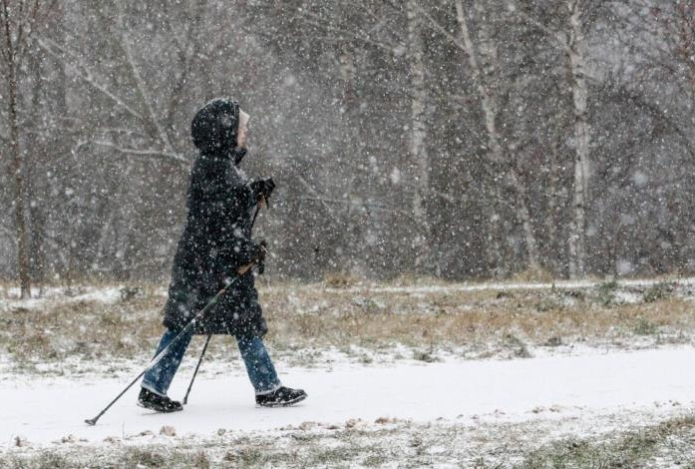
150	400
281	397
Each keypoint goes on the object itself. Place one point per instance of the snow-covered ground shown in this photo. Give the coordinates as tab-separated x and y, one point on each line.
653	382
487	405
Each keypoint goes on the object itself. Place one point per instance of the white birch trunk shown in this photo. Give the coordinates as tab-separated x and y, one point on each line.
489	107
418	134
582	137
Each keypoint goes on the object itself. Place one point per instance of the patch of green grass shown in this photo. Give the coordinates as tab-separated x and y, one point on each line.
658	292
631	450
346	455
428	356
645	327
406	444
144	457
42	460
606	291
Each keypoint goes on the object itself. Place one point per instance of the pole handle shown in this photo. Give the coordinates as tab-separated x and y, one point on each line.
244	269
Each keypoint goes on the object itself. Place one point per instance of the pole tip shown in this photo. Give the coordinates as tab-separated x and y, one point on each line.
91	422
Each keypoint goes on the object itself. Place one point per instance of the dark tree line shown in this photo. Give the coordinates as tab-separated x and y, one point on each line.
458	138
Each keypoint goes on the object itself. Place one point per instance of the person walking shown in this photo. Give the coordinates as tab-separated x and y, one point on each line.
215	248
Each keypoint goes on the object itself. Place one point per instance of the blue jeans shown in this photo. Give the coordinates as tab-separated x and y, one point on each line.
258	364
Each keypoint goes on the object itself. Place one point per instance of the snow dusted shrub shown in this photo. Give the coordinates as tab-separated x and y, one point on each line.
659	291
340	281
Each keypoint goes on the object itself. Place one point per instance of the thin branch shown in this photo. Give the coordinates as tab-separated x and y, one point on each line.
20	28
86	75
22	47
7	50
368	205
380	22
164	138
140	152
187	52
559	38
389	48
436	25
8	234
319	197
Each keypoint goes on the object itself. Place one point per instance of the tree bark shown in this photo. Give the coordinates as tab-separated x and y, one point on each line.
17	169
418	135
494	138
582	137
9	53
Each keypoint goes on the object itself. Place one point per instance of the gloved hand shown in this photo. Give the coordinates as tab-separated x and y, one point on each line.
261	262
262	188
261	252
257	258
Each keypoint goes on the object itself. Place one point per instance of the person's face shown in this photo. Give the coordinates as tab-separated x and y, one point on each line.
243	134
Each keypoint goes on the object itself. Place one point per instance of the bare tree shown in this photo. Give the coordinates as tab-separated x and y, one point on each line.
481	60
463	138
20	21
417	142
568	33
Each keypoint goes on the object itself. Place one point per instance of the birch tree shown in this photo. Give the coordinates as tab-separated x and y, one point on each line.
582	136
372	29
480	55
418	134
567	32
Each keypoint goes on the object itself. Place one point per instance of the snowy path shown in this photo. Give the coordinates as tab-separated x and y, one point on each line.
45	411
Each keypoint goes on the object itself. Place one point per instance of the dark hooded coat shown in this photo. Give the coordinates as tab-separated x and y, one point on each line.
216	241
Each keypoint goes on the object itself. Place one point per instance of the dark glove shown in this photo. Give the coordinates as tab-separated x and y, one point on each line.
260	259
261	251
263	188
257	258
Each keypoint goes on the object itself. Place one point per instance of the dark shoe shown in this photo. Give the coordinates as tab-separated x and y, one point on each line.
152	401
281	397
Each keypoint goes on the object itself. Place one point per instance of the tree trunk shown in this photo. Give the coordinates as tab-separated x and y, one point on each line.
582	137
551	221
35	158
19	216
497	151
418	136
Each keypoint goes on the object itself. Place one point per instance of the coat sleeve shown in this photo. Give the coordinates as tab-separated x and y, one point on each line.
236	248
232	203
220	205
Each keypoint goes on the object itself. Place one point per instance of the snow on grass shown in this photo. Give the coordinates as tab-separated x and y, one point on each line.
394	375
9	298
511	286
314	327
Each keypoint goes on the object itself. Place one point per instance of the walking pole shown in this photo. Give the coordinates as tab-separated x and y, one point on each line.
181	334
197	367
207	342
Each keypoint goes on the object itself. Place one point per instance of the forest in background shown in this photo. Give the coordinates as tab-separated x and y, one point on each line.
454	138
